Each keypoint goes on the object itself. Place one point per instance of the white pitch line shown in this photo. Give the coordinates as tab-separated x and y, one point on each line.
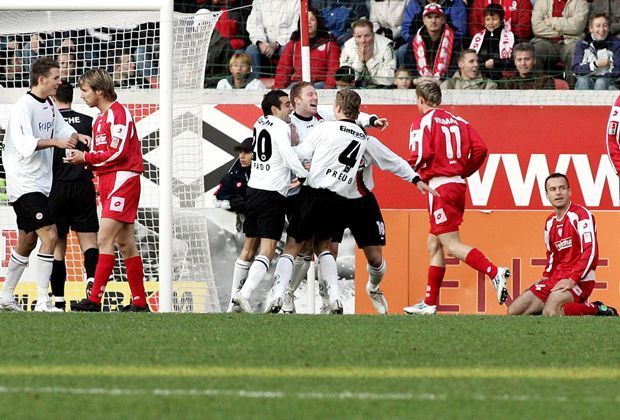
344	395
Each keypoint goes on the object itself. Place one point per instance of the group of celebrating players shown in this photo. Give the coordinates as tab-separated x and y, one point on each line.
310	166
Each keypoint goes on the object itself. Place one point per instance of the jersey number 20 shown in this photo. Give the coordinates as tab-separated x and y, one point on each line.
261	146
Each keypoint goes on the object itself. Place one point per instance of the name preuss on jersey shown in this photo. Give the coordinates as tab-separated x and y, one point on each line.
273	158
336	149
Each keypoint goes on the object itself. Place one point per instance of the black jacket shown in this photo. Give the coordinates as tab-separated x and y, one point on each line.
233	187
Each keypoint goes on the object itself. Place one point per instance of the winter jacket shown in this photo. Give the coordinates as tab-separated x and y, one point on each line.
273	20
381	66
339	14
534	80
233	187
520	17
252	83
569	27
454	10
457	82
431	52
324	61
490	49
587	51
388	14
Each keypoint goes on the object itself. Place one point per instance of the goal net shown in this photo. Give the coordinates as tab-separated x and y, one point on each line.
127	44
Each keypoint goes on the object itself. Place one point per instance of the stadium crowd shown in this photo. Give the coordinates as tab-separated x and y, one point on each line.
475	44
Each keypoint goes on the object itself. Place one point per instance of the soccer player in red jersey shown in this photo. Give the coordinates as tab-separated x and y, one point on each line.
445	150
116	157
572	256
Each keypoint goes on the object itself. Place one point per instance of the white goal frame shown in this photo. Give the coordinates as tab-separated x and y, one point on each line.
166	19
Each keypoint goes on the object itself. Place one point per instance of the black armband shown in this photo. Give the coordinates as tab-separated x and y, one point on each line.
416	179
301	180
372	121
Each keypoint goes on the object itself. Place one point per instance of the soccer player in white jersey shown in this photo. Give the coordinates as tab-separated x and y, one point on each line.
336	149
306	116
273	162
572	257
35	127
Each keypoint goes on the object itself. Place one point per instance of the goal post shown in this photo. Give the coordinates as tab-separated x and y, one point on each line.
170	66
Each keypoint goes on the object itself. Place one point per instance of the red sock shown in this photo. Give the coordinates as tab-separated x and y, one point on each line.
476	260
135	277
105	265
576	309
435	277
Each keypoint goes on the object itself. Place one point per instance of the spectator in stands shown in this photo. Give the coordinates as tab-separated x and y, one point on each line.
432	52
241	75
12	72
468	75
557	26
67	60
403	78
33	47
517	17
270	26
528	76
124	73
596	62
339	15
387	17
324	56
345	77
455	14
370	55
612	9
231	23
494	43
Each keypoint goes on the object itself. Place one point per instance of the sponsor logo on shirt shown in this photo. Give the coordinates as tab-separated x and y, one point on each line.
563	244
101	139
45	126
117	204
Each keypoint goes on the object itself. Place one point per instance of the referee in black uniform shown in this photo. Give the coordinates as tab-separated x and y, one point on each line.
73	201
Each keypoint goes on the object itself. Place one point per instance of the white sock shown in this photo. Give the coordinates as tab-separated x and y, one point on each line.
330	274
375	274
256	274
17	265
43	276
322	287
282	275
240	273
300	269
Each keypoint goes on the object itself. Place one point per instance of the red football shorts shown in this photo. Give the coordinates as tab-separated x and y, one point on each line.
446	211
120	194
581	291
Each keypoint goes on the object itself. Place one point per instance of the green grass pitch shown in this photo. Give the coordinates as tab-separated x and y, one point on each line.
156	366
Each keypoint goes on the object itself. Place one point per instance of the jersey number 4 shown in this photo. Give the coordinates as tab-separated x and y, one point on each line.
261	146
453	140
348	157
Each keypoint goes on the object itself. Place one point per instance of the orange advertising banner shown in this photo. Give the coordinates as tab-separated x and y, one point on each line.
508	238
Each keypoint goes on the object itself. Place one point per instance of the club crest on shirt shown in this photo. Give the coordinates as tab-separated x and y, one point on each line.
563	244
114	143
613	128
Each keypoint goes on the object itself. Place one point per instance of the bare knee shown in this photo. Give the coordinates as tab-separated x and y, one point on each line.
374	256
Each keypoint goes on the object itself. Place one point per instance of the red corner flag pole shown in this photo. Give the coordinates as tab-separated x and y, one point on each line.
305	42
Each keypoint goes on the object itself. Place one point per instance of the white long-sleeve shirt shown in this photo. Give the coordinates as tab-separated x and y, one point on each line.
273	20
273	158
27	169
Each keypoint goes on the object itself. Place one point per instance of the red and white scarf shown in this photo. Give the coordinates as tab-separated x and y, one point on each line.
506	42
442	58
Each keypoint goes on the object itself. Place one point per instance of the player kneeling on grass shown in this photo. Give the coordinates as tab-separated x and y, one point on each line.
572	256
116	157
